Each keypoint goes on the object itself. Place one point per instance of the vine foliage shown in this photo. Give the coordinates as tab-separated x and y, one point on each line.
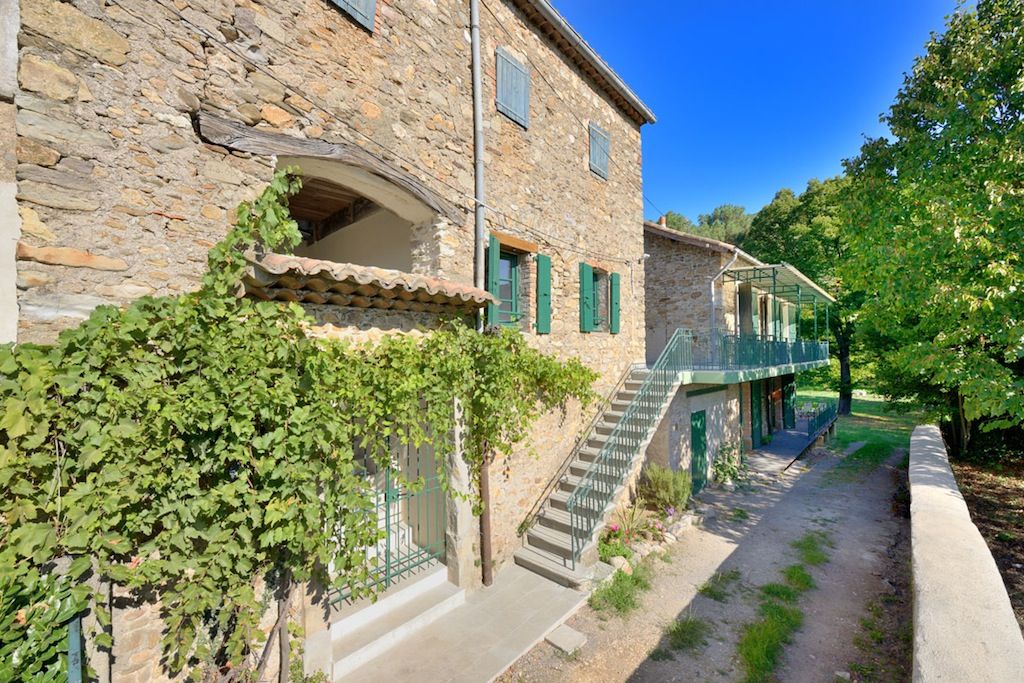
190	446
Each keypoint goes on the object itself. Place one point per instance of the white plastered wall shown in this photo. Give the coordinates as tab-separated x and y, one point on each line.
380	239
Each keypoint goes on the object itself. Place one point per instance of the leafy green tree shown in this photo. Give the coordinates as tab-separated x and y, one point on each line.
811	233
728	223
678	221
939	210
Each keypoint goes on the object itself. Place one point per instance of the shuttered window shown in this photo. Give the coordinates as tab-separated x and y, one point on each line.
543	294
513	90
363	11
600	148
503	283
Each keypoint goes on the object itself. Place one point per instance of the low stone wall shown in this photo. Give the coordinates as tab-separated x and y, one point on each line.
964	627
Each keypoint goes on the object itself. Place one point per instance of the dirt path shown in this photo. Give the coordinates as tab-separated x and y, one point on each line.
776	510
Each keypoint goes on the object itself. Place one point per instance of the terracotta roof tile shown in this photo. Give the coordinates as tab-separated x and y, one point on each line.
284	277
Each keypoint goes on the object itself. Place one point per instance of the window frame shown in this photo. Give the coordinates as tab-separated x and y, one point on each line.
515	313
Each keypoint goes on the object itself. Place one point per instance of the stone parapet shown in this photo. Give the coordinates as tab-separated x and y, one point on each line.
964	626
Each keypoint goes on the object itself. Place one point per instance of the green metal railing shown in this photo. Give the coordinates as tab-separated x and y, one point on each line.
586	504
739	352
824	416
410	508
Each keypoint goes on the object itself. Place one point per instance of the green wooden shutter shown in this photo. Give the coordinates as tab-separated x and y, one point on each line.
543	294
513	88
613	303
493	270
586	298
600	146
363	11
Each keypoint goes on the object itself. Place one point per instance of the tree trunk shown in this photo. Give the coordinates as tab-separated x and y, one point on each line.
282	615
843	335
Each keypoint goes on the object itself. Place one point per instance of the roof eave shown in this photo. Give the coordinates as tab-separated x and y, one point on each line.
640	111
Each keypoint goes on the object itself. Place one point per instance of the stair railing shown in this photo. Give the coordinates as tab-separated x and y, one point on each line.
581	441
587	503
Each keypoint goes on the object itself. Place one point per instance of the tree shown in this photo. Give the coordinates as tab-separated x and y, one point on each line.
939	210
728	222
810	232
678	221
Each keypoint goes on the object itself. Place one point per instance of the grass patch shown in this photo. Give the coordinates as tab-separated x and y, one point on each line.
739	515
796	576
717	587
761	643
621	594
688	633
606	550
872	422
781	592
811	547
661	654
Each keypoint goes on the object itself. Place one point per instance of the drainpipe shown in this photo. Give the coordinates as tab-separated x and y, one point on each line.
713	327
478	270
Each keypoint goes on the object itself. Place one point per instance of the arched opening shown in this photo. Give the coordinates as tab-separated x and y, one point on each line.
348	215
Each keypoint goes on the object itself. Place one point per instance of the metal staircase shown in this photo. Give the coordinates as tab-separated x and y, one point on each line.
561	540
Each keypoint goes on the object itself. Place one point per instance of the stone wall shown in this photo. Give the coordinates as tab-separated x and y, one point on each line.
964	625
672	445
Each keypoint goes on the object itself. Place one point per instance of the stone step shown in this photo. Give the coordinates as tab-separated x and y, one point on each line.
549	566
558	543
556	519
559	498
354	647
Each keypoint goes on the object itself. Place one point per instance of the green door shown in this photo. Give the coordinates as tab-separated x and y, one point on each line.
755	414
699	445
789	406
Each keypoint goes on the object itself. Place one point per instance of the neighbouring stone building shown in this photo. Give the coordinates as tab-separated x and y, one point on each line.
743	317
131	129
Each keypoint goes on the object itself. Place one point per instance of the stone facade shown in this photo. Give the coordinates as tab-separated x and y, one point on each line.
119	196
672	443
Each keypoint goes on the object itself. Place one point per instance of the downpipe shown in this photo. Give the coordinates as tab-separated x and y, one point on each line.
480	227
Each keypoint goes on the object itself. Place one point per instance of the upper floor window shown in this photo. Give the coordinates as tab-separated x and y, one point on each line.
600	148
599	300
364	12
513	88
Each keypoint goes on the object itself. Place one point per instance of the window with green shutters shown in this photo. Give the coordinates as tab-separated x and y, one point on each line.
364	12
513	88
503	282
543	322
600	149
599	300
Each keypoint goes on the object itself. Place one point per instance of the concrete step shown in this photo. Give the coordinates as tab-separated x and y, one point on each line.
570	481
554	518
559	498
553	541
549	566
578	468
356	641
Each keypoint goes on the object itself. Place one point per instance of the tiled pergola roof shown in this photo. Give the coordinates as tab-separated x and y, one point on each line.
284	277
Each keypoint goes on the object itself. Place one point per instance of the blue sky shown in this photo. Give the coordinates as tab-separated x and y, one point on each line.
754	96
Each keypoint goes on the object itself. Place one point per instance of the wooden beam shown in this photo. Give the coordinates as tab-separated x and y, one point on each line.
235	135
516	243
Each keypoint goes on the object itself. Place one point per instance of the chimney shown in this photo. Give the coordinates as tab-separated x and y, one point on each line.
663	222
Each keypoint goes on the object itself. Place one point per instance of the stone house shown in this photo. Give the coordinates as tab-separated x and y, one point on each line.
743	323
130	129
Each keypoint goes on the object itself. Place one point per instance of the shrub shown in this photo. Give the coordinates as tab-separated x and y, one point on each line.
621	594
688	633
613	548
728	464
664	488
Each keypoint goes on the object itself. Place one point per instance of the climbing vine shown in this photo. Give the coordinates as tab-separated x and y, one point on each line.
190	446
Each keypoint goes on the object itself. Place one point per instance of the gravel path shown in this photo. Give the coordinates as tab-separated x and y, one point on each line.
779	509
